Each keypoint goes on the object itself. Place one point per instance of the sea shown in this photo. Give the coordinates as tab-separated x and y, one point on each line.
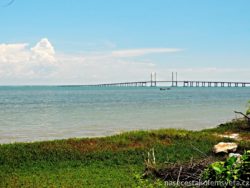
37	113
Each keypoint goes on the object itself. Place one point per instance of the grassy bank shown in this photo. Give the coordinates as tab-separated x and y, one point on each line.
109	161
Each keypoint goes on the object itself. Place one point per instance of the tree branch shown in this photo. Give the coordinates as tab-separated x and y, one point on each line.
242	114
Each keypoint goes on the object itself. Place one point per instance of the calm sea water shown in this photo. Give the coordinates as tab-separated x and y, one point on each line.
48	112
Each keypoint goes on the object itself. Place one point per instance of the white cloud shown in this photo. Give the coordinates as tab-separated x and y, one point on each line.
41	64
18	61
142	51
11	53
43	51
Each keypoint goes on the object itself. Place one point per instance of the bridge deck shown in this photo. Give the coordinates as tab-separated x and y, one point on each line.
178	84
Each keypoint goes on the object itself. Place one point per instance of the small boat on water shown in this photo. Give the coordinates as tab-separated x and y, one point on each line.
163	88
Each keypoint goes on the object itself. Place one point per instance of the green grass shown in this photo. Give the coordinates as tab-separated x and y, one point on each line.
104	162
71	174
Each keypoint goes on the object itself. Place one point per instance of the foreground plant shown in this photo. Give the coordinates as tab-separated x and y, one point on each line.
232	170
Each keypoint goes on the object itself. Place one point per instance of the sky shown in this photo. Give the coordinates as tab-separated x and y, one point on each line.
58	42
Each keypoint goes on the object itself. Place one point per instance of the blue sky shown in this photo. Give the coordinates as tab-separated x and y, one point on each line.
201	39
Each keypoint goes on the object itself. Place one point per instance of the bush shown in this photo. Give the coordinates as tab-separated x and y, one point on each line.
232	170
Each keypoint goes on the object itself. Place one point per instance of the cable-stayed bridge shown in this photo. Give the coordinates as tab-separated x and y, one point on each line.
153	82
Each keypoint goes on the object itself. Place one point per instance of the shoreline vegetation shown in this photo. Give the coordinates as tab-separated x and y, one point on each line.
118	161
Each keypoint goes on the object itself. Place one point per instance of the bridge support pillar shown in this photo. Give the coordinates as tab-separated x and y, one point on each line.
185	84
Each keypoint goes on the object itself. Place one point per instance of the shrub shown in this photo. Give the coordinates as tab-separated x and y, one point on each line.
232	170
